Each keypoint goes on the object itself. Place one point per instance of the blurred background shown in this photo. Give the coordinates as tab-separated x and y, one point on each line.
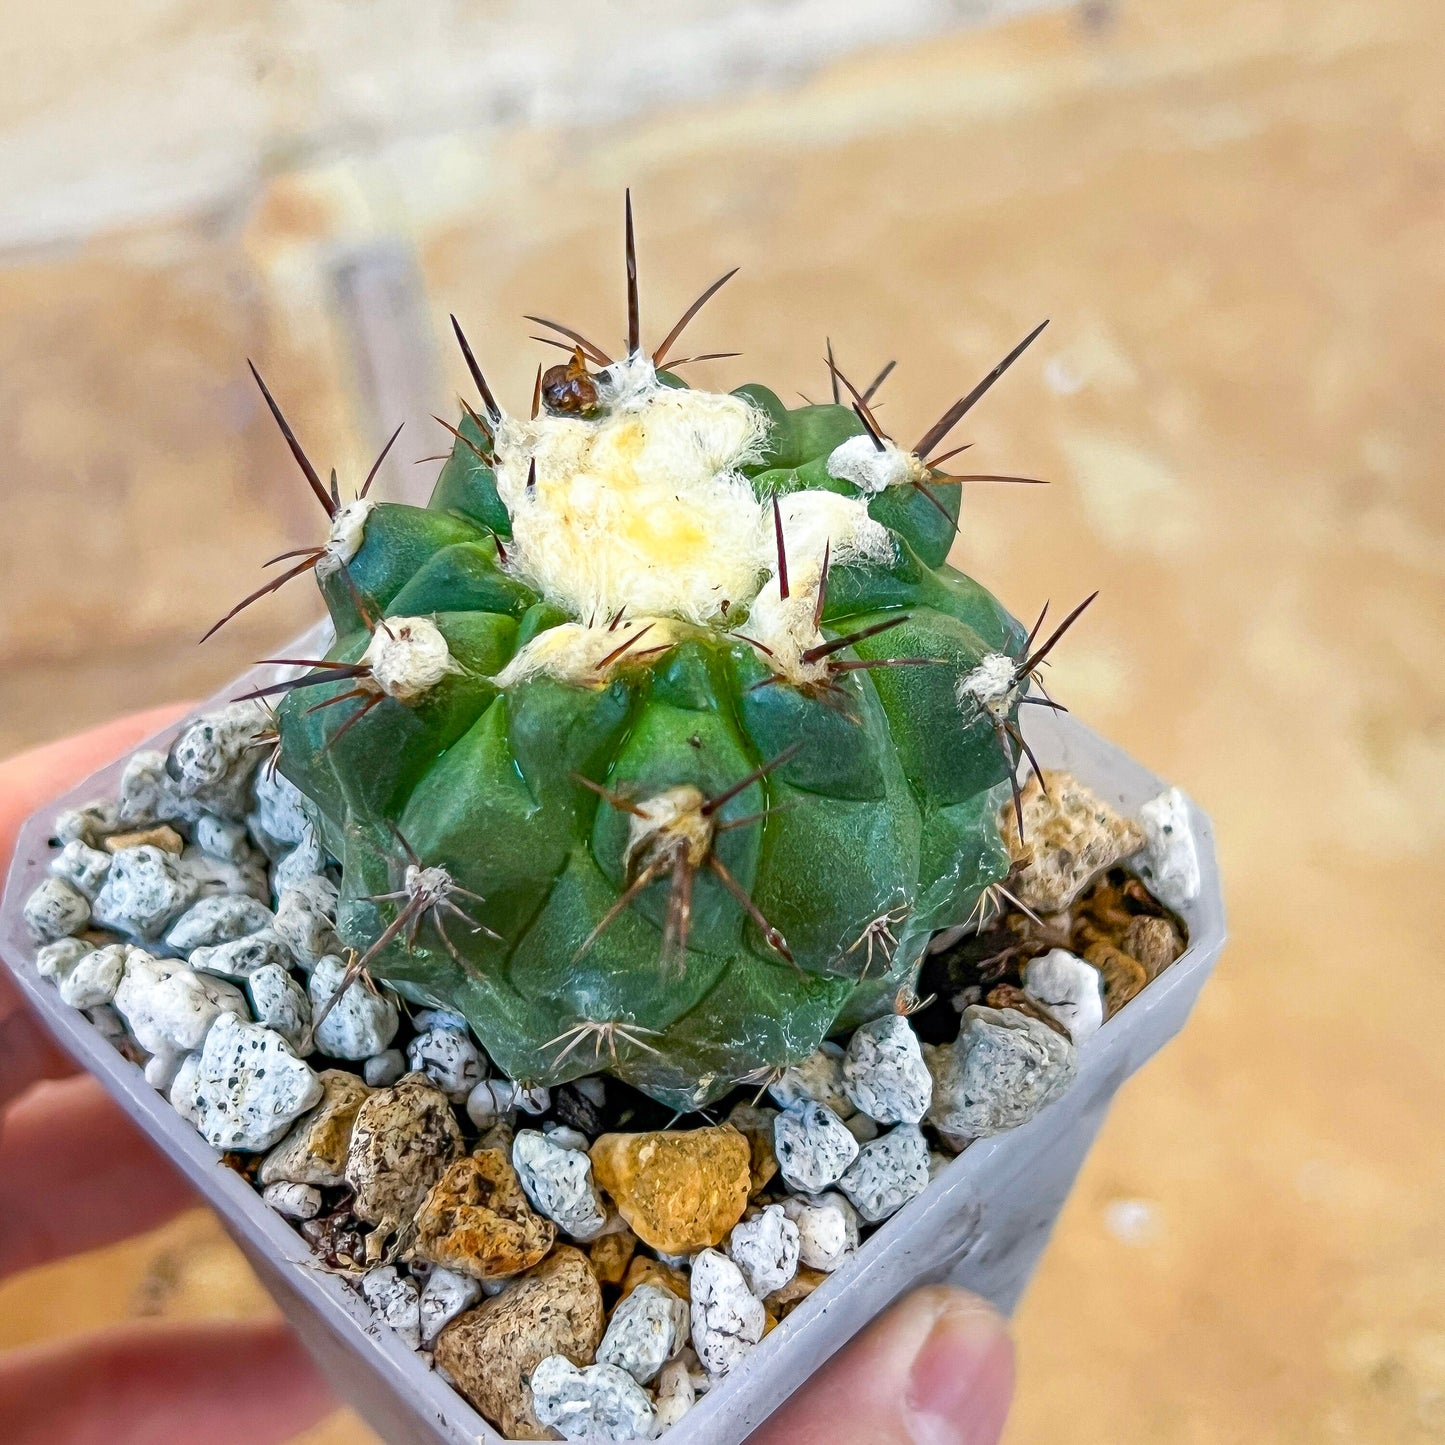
1234	213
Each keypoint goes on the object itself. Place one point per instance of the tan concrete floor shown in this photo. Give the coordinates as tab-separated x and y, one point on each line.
1233	214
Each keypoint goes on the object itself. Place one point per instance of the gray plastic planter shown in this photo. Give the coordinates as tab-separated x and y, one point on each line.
982	1223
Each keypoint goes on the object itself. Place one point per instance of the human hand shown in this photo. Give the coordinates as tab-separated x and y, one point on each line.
75	1175
936	1369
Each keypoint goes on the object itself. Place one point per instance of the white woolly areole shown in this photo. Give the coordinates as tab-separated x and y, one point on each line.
643	507
992	685
784	625
348	530
576	654
408	656
675	813
870	468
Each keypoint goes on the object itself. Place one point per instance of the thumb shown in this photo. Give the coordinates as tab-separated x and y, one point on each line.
937	1369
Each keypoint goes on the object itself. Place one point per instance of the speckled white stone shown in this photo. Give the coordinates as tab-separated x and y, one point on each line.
82	865
56	909
363	1020
819	1078
766	1248
182	1092
887	1173
425	1019
250	1087
1002	1069
280	1003
673	1395
214	876
305	919
241	957
444	1296
727	1317
1169	863
566	1136
278	821
1069	988
559	1183
218	918
813	1146
884	1073
596	1402
827	1229
146	793
223	838
144	893
646	1330
94	978
55	960
296	865
495	1099
384	1069
395	1299
168	1008
294	1201
450	1059
213	756
91	823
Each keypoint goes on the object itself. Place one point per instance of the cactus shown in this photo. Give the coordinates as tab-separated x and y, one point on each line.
663	737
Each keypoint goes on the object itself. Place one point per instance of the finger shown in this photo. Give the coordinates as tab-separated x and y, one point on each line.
75	1174
27	1053
222	1383
937	1369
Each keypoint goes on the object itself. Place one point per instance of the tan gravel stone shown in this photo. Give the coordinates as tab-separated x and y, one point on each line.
756	1126
680	1190
162	836
491	1351
315	1150
476	1220
401	1143
643	1270
1070	836
611	1254
1155	942
1123	976
782	1302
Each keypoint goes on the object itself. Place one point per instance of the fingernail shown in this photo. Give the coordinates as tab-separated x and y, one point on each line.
961	1380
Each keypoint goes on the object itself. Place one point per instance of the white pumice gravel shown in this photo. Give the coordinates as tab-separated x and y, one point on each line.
213	756
443	1297
1002	1069
218	918
182	1092
294	1201
241	957
450	1059
280	1003
646	1330
305	919
1069	988
1169	863
213	877
813	1146
559	1183
727	1317
225	839
819	1078
82	865
766	1248
884	1073
91	823
396	1299
94	979
496	1099
361	1023
303	861
146	793
566	1136
426	1019
827	1229
384	1069
110	1026
887	1173
55	960
250	1086
168	1008
673	1395
278	821
56	909
596	1402
144	893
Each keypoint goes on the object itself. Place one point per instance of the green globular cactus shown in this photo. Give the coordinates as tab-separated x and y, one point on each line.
663	737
